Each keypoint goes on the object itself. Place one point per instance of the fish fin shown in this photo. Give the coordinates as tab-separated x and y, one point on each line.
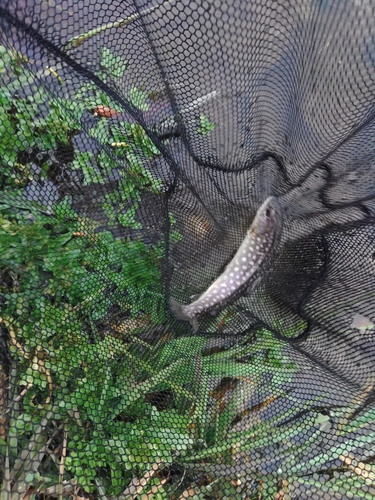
195	297
194	324
252	285
178	313
176	309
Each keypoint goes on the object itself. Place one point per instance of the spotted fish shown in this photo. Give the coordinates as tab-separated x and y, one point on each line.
259	242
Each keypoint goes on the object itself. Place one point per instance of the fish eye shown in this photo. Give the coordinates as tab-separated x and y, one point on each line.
268	212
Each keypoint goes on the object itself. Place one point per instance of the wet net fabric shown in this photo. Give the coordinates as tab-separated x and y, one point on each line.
137	142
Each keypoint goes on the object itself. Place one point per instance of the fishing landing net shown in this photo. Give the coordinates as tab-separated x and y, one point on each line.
137	142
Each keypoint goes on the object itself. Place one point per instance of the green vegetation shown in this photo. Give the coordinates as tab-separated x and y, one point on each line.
205	126
103	399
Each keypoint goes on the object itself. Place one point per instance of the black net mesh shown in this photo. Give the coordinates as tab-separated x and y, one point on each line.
138	141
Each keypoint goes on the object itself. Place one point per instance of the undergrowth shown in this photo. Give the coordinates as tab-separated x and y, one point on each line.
99	397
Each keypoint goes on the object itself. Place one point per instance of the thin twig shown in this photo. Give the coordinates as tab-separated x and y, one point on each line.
137	485
101	490
67	487
154	490
3	402
7	485
13	337
361	469
90	298
62	461
22	393
76	41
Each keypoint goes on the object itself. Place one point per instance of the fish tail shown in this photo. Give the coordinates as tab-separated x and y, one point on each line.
178	313
176	309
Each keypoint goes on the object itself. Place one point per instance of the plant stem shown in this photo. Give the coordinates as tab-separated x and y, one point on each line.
62	461
76	41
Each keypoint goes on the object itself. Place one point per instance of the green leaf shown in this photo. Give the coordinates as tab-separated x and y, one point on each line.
138	98
128	219
179	347
100	131
205	125
112	63
63	210
91	175
175	236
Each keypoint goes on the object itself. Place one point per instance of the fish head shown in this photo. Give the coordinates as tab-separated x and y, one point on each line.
268	218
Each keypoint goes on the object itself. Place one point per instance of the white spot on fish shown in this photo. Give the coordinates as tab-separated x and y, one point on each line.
236	269
244	259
